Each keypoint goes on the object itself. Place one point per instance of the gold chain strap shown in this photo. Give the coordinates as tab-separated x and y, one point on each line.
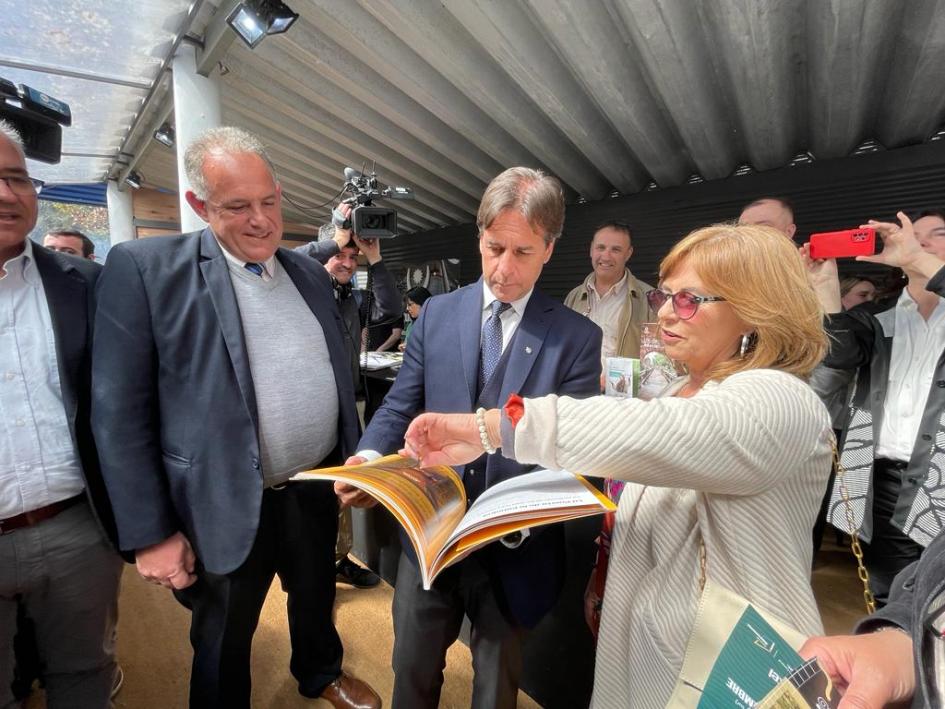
851	529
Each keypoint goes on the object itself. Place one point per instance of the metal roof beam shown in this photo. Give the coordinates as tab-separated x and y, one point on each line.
758	47
912	108
261	124
849	44
346	156
74	74
587	35
508	34
486	97
217	38
312	112
673	52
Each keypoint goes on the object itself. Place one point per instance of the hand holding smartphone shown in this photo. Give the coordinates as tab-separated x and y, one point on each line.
843	244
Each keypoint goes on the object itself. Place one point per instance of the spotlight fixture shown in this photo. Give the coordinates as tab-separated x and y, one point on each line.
252	20
134	180
165	135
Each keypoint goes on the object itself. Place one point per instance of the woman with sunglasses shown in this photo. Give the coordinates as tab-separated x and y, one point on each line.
732	459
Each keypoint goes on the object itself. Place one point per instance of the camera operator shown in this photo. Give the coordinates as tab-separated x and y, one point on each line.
337	249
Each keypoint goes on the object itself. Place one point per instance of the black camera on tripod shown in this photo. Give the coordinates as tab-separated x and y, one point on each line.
368	221
37	117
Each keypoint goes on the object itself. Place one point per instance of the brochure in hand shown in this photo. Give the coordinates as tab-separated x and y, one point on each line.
757	668
430	504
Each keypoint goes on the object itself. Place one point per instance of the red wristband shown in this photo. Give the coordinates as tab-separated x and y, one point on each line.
515	409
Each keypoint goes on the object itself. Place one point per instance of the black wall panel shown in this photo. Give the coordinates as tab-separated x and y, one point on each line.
829	194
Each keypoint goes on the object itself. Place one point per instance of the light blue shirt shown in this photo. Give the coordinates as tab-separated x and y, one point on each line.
38	460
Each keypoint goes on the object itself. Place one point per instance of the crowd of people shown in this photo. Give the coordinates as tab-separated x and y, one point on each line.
155	409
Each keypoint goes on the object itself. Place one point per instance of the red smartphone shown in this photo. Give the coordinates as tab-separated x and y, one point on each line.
843	244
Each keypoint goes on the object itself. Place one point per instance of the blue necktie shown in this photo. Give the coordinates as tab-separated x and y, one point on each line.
254	267
490	351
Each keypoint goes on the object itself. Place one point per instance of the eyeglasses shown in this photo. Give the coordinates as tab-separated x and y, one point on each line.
23	185
685	304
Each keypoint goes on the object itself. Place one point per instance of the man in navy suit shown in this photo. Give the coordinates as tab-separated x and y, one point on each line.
219	371
470	348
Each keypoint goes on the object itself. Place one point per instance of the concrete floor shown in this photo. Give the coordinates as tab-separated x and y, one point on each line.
155	653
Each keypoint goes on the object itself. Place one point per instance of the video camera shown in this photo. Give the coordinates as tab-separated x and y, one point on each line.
37	117
370	222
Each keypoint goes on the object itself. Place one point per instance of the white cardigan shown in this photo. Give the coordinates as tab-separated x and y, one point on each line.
743	464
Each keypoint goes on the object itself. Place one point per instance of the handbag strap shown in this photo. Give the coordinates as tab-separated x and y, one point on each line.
851	528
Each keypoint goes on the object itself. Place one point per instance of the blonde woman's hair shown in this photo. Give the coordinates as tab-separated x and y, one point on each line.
758	271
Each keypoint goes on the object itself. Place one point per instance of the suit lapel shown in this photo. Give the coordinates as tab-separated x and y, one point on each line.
526	344
216	273
469	319
67	300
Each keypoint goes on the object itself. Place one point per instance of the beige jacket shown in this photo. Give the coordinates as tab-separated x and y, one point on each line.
635	312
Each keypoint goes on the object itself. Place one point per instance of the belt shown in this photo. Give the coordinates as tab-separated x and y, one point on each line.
890	465
28	519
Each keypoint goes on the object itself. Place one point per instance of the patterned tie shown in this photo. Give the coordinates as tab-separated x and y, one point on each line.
490	351
254	268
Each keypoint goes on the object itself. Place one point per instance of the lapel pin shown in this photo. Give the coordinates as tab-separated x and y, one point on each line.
528	350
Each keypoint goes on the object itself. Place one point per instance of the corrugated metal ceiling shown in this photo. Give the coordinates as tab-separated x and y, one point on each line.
612	96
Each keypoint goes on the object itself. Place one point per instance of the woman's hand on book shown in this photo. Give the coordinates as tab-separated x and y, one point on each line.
443	439
349	495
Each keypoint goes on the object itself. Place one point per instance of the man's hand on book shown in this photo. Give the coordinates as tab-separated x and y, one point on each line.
871	670
444	439
349	495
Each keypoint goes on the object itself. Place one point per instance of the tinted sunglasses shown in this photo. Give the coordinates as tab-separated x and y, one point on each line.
685	304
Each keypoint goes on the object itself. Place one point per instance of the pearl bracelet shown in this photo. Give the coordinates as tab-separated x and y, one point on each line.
483	433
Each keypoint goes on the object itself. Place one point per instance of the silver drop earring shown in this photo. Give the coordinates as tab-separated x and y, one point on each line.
744	348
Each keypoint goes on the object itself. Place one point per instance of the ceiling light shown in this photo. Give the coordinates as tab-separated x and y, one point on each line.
165	135
252	20
134	180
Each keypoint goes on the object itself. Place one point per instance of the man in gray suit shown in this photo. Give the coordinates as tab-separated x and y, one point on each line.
219	371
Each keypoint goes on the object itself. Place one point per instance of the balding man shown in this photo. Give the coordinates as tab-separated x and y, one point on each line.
776	212
220	371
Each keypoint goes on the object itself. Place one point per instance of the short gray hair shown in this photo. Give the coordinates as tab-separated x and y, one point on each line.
225	140
539	197
8	131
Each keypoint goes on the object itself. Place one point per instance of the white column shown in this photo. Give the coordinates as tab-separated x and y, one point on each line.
196	108
121	215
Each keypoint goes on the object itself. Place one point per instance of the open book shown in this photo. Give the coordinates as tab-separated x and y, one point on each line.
430	504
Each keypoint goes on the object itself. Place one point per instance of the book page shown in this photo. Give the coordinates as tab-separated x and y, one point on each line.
428	502
531	494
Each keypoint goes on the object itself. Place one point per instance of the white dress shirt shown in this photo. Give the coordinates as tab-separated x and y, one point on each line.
605	311
509	319
916	347
38	460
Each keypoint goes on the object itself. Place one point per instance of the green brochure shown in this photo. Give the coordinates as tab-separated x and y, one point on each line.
755	658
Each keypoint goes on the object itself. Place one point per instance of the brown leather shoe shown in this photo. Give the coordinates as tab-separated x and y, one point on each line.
346	692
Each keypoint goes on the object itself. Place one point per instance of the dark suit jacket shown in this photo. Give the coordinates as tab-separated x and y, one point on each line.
174	407
860	351
554	350
915	599
69	284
